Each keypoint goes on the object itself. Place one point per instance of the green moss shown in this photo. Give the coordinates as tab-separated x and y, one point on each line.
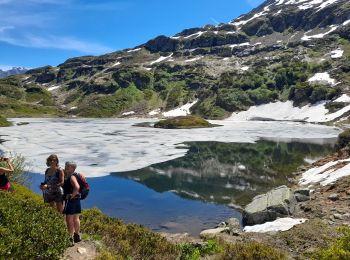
182	122
4	122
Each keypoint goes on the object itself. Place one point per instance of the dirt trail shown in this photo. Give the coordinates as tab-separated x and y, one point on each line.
84	250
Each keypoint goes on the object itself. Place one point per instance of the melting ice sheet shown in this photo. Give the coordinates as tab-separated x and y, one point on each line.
102	146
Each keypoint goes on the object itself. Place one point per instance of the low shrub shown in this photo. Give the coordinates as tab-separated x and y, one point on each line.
250	251
19	175
338	250
194	252
343	139
30	230
182	122
126	240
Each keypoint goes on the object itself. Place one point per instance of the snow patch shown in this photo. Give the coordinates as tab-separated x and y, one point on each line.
280	224
245	68
325	174
238	24
239	45
161	58
285	111
194	59
336	54
180	111
116	64
128	113
343	98
134	50
319	36
197	34
346	22
154	112
53	88
322	78
307	4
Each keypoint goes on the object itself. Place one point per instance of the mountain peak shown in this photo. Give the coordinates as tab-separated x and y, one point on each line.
5	72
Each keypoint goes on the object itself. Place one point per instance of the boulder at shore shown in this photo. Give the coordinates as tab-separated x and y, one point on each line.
279	202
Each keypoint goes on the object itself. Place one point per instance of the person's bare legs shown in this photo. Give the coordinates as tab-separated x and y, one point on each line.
70	224
76	223
59	207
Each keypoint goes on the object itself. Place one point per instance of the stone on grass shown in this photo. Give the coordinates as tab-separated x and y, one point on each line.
333	197
213	232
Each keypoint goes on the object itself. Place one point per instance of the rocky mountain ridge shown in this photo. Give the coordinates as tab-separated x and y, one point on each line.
283	50
13	71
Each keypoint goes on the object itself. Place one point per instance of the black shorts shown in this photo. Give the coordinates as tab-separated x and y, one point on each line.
72	207
53	197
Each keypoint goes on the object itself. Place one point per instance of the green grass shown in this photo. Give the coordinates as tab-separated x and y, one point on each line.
110	105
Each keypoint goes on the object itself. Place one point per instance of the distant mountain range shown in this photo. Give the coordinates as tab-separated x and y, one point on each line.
13	71
295	50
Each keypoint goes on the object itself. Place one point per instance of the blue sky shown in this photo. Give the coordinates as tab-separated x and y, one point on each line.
35	33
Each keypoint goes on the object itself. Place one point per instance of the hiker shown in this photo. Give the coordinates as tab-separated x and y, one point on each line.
52	186
72	207
6	167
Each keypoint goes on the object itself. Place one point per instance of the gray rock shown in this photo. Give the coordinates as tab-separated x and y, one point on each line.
234	226
222	224
278	202
300	197
346	215
213	232
333	196
304	192
338	216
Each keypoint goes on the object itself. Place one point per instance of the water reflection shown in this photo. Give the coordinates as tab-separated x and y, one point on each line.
228	173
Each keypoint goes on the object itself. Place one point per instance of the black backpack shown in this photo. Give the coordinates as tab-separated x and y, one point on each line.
84	186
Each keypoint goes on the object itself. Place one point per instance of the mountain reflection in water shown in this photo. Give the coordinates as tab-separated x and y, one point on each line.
228	173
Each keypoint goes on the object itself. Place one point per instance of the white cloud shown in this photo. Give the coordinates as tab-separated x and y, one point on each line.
18	18
54	42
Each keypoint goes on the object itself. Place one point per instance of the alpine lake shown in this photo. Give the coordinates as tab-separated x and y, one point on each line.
169	180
